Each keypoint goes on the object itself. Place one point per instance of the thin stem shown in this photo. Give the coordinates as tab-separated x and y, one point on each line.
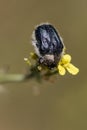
4	78
34	73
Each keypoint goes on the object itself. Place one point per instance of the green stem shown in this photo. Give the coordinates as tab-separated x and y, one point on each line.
34	73
4	78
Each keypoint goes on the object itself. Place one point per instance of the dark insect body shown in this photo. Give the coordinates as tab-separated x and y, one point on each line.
48	44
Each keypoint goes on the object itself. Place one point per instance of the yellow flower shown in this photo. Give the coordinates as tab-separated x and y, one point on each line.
32	56
65	64
27	61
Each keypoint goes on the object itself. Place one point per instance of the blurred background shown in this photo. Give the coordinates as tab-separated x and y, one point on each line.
48	106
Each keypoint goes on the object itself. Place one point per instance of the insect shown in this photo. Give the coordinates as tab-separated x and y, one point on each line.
48	45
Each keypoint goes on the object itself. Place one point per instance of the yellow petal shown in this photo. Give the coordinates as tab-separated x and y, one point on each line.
72	69
66	59
61	69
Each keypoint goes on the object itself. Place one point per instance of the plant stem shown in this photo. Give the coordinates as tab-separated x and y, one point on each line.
4	78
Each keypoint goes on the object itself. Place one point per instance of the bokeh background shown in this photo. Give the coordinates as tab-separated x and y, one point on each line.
48	106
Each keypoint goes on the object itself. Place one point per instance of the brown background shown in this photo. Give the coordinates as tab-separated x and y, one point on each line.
30	105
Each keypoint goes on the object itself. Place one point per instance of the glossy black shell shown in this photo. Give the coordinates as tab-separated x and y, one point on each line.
48	40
